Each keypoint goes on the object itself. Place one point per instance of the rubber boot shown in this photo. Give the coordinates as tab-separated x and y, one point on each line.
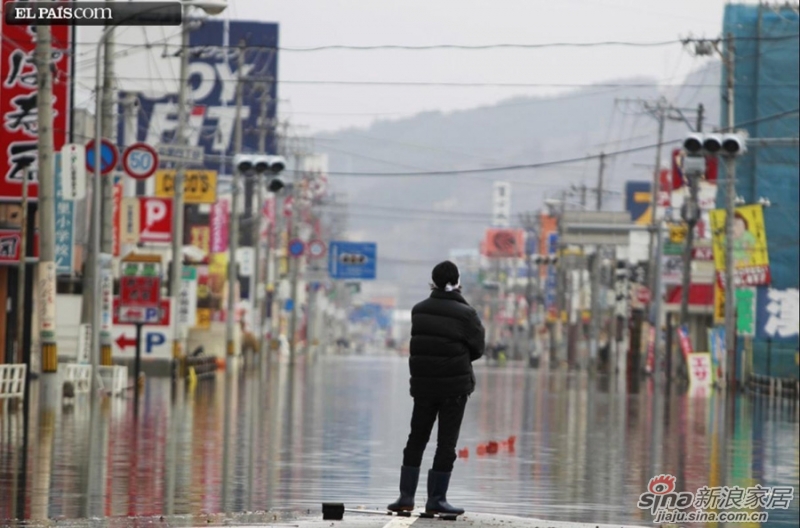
409	476
438	482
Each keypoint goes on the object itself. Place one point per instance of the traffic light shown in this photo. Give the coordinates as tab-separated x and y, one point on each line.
697	145
262	164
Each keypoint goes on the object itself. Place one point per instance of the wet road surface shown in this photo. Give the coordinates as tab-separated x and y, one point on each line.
333	431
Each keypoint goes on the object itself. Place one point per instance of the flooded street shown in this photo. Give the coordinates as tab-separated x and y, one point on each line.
295	437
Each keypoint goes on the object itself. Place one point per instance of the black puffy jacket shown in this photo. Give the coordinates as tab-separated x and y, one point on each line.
446	337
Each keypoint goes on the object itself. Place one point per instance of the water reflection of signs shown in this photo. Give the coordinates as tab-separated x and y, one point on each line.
9	247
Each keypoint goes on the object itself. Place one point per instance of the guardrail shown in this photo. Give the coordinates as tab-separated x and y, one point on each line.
12	381
774	387
79	374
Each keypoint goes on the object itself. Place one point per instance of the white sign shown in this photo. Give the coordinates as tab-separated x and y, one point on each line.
156	342
783	311
192	155
245	257
106	292
671	269
47	297
187	302
84	343
700	370
139	314
73	172
501	204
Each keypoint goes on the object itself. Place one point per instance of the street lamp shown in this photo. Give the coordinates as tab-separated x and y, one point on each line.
212	7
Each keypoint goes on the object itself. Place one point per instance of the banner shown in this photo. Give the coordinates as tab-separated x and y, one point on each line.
509	243
700	370
751	261
219	219
686	343
778	314
65	226
18	104
214	68
716	344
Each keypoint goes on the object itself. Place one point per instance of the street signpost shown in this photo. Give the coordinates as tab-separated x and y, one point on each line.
352	260
140	161
140	296
72	174
187	154
109	156
316	249
296	247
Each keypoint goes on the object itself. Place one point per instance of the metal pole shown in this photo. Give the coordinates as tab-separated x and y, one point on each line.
47	207
295	262
654	195
657	299
730	286
256	287
594	330
234	240
178	201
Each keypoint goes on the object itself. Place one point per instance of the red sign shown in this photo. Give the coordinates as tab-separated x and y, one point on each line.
142	292
218	221
117	209
18	84
287	206
702	253
155	219
643	294
651	350
10	246
686	344
140	161
163	307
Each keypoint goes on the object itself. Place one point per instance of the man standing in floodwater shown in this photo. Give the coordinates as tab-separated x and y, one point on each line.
446	337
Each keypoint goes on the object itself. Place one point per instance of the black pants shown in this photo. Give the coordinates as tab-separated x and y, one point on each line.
450	413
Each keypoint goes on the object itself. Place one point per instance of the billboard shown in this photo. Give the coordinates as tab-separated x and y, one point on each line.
637	201
751	261
213	71
509	243
18	104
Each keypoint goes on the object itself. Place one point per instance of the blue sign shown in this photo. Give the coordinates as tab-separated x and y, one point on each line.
153	340
551	282
353	260
213	70
296	247
65	225
637	200
108	156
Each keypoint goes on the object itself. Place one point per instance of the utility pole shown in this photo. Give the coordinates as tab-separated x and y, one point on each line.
23	264
107	183
600	181
691	217
295	262
177	201
47	206
660	113
234	236
730	286
256	288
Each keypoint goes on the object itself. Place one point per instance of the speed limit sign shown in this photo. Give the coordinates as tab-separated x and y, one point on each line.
140	161
316	248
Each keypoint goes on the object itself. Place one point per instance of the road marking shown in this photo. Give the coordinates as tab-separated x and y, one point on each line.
399	522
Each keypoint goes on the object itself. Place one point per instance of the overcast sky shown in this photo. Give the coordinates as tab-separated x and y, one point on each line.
308	23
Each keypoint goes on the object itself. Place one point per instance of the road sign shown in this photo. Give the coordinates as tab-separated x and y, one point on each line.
108	155
190	155
352	260
72	174
199	186
140	161
296	247
155	218
65	220
140	290
316	248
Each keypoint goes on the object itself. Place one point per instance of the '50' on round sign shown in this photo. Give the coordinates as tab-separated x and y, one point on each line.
140	161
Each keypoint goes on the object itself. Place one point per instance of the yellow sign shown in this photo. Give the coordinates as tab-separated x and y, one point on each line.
203	318
719	304
677	233
200	186
751	261
201	238
129	221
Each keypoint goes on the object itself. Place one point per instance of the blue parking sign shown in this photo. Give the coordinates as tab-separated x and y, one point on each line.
353	260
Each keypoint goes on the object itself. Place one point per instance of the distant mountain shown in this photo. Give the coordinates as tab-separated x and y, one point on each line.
521	130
